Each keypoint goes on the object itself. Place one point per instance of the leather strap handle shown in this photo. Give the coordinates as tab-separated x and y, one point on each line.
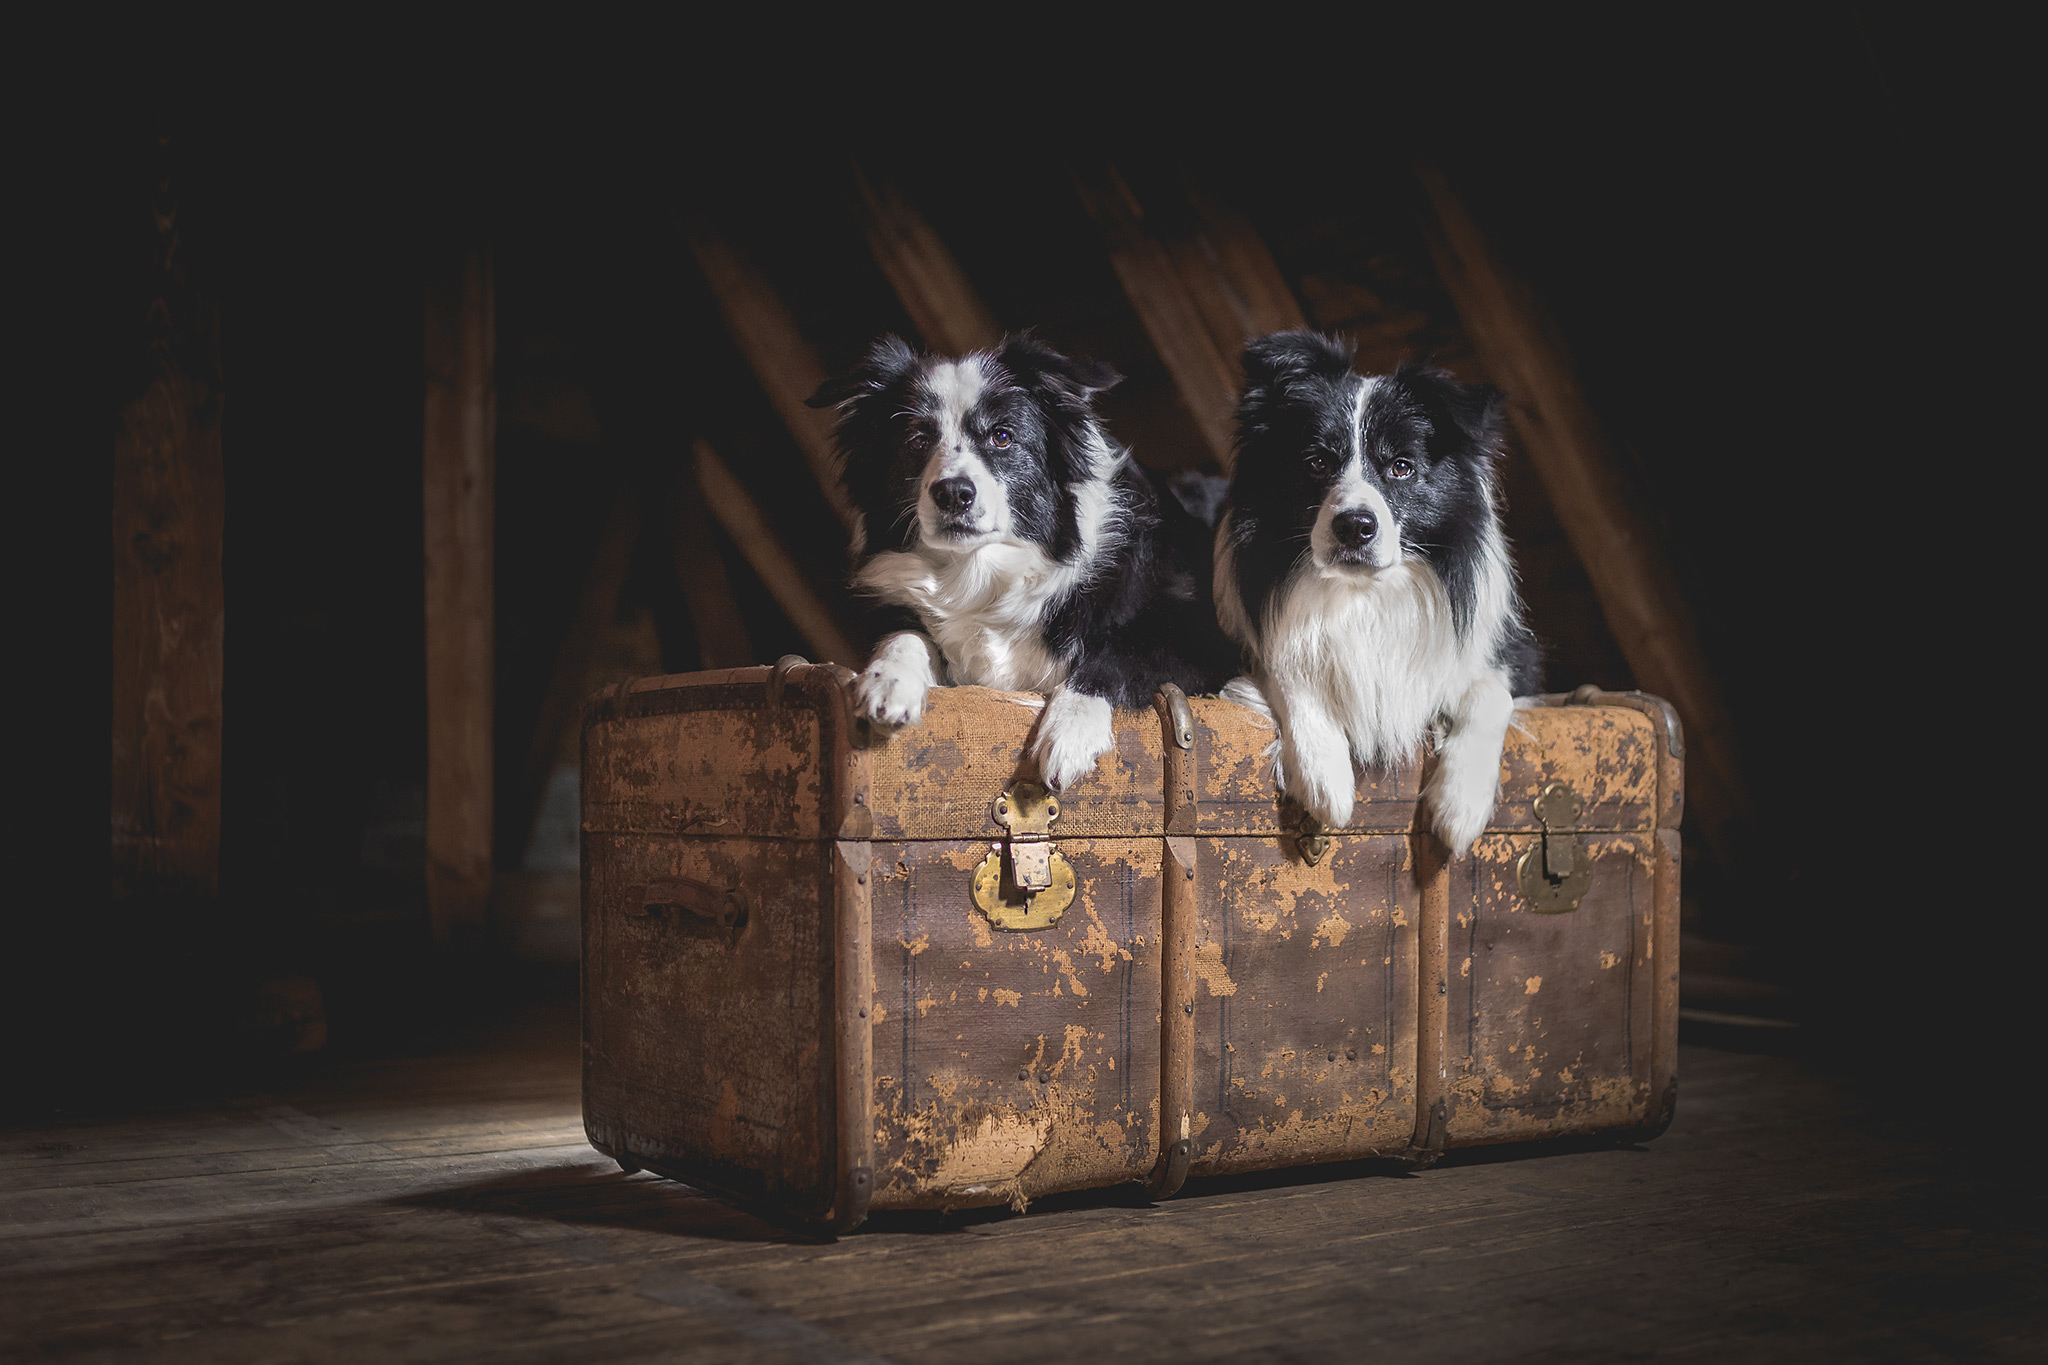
726	909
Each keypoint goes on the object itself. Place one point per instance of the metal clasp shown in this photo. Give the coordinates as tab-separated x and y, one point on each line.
1039	885
1309	839
1554	873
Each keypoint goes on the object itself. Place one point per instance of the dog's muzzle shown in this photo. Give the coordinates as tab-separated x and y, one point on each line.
1353	533
954	497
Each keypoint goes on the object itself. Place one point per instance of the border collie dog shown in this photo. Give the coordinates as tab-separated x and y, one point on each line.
1363	568
1026	549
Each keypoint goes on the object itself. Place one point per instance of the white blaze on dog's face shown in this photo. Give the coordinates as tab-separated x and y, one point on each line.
961	504
1355	528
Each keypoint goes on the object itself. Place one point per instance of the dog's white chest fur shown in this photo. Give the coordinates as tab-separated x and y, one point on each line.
1379	653
983	609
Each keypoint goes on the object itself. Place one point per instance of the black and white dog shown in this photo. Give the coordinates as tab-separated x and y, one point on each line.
1026	548
1362	566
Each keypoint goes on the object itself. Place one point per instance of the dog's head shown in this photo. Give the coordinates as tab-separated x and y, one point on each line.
1361	472
946	456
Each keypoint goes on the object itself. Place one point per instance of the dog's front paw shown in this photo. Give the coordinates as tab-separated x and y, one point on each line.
1459	799
890	691
1075	732
1320	780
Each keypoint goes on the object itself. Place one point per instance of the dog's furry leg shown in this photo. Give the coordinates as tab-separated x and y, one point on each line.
1314	763
1247	692
1075	731
890	690
1461	791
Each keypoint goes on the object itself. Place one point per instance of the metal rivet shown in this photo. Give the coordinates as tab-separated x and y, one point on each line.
1023	1075
1333	1056
859	799
1351	1054
862	879
1188	1008
863	1014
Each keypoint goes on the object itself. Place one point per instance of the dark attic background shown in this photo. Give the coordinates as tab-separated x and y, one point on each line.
425	427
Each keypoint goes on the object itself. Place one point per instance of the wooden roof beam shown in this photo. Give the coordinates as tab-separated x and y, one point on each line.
934	291
735	510
1200	296
783	361
1612	534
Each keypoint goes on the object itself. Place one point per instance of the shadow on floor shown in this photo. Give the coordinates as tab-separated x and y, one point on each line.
590	1197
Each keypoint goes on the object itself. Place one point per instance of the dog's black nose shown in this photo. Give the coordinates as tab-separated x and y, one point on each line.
1354	530
954	495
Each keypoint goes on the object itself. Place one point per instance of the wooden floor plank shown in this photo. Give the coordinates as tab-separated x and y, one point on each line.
447	1208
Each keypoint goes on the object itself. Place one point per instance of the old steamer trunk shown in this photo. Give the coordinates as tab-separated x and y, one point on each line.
829	976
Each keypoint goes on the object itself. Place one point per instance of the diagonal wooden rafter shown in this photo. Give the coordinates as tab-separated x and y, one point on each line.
1611	533
1205	376
1235	282
735	510
722	640
783	361
934	290
1200	294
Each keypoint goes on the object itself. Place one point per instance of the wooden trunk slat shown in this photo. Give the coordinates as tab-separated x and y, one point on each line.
1305	1015
1549	1018
1009	1065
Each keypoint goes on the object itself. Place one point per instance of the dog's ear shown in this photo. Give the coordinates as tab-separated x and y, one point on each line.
1477	413
1284	357
888	360
1036	365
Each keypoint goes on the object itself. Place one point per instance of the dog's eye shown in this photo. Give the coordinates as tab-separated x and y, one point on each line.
1000	438
1319	461
1401	467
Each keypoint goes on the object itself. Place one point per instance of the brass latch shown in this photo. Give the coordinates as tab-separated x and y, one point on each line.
1554	872
1034	885
1309	839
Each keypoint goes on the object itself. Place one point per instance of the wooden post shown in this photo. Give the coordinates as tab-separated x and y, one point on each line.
743	521
460	476
788	369
949	315
168	505
1639	591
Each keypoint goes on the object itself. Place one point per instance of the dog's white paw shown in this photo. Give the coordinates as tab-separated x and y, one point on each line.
1075	731
1460	793
1319	778
1459	798
890	691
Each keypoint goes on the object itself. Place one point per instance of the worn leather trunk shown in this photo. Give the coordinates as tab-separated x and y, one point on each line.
830	974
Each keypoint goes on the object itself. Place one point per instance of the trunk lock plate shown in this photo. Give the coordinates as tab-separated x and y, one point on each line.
1555	872
1034	885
